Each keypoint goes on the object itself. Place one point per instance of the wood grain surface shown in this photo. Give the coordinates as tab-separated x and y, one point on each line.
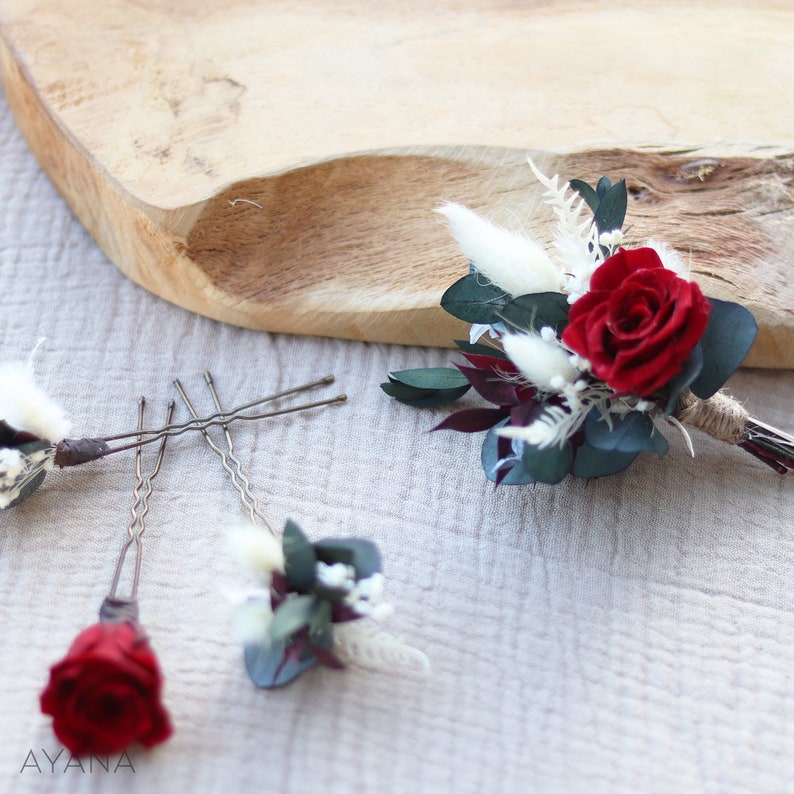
276	165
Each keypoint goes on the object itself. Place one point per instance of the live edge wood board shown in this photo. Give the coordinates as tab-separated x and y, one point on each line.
276	165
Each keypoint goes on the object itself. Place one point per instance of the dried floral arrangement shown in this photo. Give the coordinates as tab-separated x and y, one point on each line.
306	607
592	350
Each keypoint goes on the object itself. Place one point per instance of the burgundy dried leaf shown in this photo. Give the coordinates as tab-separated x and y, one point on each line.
491	386
341	613
779	463
492	363
472	420
504	447
11	437
327	658
279	588
526	413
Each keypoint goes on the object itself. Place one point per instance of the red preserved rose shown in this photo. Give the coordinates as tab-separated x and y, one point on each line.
639	322
105	694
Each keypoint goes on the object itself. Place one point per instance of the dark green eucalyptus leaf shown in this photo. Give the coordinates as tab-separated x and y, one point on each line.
691	369
436	378
612	209
269	666
630	433
292	615
320	630
660	443
423	398
428	387
593	462
480	349
728	338
474	299
518	475
548	464
362	554
299	557
591	198
603	185
536	311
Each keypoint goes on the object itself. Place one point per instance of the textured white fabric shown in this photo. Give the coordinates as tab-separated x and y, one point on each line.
627	635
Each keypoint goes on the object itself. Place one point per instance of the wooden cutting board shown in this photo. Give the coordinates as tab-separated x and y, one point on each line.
276	165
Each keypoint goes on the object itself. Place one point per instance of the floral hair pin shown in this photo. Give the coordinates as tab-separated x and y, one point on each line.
33	430
106	692
309	597
594	348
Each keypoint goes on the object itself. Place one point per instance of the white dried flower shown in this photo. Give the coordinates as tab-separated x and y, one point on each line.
337	576
540	433
611	239
18	470
253	615
12	463
365	597
361	643
256	549
24	406
510	260
670	257
544	363
580	362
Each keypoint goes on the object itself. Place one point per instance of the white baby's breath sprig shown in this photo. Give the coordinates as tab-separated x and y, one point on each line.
611	240
512	261
365	598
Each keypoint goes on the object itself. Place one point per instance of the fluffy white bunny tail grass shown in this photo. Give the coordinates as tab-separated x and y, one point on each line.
510	260
24	406
255	548
362	644
671	259
542	361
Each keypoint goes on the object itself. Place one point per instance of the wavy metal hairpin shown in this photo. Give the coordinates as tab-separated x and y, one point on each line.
33	430
310	595
106	693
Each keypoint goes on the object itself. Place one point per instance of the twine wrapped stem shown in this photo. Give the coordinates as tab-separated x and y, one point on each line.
722	417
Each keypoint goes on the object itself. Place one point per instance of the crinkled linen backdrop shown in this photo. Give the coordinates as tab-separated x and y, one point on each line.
630	634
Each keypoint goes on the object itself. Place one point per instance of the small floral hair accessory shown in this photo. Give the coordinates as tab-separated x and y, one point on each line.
308	594
106	692
33	430
594	349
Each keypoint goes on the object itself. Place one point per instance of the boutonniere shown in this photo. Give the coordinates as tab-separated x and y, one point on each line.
594	349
